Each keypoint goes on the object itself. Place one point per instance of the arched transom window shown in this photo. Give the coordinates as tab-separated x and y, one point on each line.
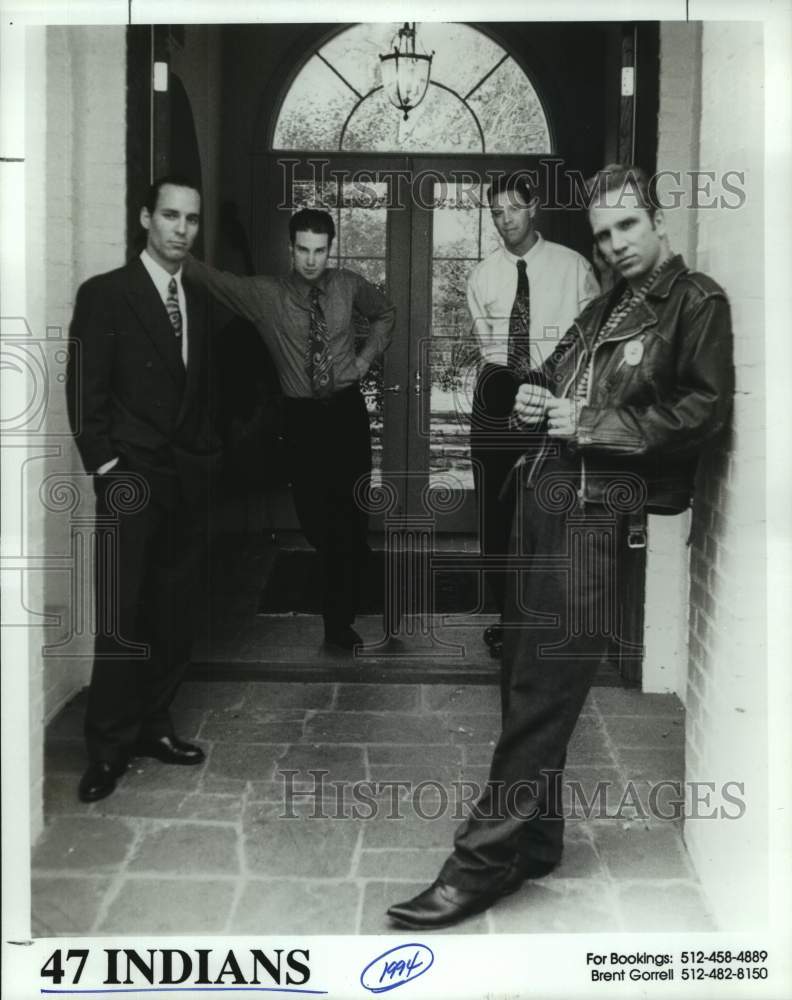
479	99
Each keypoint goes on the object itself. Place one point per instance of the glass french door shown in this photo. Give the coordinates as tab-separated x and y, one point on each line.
451	232
415	228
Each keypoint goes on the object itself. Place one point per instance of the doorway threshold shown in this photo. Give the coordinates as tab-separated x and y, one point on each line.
438	649
238	642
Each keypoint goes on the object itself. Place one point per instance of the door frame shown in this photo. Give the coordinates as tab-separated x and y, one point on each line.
457	515
271	220
406	396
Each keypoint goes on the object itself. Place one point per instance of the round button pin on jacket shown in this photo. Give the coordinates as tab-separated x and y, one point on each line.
633	352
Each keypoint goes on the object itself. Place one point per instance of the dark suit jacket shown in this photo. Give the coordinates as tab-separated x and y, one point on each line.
128	392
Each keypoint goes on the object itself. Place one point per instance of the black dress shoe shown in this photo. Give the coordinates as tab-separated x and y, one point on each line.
493	635
170	750
443	904
343	636
536	869
493	638
99	780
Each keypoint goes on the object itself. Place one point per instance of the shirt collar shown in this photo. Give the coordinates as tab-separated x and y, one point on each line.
302	288
532	254
157	272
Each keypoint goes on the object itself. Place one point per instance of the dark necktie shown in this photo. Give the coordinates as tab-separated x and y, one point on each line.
172	305
519	349
319	370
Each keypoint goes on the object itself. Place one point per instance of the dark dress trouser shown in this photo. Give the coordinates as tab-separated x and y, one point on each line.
569	556
494	448
147	583
328	447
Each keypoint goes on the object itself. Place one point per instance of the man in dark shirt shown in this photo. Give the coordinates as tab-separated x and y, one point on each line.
306	320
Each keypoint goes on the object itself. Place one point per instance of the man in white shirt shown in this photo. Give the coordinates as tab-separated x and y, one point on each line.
522	298
137	389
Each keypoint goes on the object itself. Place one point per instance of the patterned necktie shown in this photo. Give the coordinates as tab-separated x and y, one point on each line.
172	305
519	349
319	358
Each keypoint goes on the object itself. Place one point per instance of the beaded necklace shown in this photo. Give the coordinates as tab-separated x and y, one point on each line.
628	300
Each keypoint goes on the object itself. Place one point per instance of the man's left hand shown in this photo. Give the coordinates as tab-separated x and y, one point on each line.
562	418
362	366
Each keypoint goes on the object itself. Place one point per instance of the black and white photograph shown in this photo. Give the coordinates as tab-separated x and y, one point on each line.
395	552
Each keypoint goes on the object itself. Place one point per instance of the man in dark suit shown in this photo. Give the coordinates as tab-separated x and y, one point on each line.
137	389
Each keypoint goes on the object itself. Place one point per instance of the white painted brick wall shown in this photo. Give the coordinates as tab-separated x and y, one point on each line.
727	692
715	124
25	483
666	606
79	127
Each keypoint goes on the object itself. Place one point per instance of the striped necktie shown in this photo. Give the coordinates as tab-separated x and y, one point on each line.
172	305
318	367
519	349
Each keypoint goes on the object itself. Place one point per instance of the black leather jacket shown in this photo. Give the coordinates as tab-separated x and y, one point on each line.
661	386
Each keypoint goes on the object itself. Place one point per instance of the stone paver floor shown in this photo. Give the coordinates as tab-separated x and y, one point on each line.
222	848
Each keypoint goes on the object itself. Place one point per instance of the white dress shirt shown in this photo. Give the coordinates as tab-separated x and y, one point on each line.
561	284
161	279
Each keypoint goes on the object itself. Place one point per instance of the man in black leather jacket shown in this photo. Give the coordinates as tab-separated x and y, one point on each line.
642	380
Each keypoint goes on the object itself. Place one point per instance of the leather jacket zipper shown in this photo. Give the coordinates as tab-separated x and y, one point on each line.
543	450
573	376
609	340
586	355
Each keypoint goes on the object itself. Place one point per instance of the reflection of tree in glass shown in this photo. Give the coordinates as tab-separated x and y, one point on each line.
372	270
364	192
458	195
463	55
304	123
355	53
441	123
371	385
307	194
454	349
320	104
362	232
511	111
455	233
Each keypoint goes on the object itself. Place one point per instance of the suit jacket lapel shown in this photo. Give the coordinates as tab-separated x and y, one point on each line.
196	334
148	305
